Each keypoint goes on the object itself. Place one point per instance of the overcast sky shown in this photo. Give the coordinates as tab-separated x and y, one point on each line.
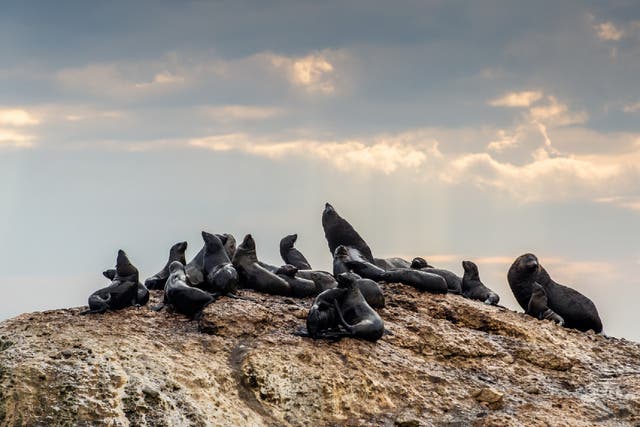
448	130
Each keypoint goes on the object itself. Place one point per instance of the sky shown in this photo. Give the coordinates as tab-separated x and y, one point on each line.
448	130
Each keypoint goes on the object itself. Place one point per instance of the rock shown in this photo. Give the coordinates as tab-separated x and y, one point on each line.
493	399
241	364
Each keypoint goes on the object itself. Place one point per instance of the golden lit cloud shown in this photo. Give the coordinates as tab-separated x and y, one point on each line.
17	117
608	31
315	72
230	113
517	99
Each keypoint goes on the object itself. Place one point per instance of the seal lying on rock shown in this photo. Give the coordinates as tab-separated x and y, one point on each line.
124	290
538	306
420	280
578	311
472	286
255	276
291	255
390	263
220	277
454	282
322	320
229	243
339	232
183	298
176	253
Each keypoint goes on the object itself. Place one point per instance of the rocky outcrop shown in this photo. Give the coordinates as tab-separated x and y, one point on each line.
444	361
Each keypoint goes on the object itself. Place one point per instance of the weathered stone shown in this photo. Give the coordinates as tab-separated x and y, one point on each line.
447	361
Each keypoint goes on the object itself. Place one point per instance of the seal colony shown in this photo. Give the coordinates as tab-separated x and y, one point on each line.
345	300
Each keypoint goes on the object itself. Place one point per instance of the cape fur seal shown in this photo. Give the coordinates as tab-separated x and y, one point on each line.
176	253
339	232
183	298
472	286
291	255
355	315
124	290
322	320
454	282
220	277
418	279
370	289
389	263
578	311
229	243
255	276
538	307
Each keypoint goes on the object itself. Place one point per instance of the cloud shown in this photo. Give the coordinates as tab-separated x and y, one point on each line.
382	155
13	139
315	72
162	78
608	31
556	113
231	113
17	117
626	202
631	108
517	99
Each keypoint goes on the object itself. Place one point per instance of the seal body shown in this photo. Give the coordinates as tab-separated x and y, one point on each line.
176	253
254	276
454	282
369	289
323	314
538	307
124	291
578	311
185	299
322	279
291	255
418	279
340	259
229	243
339	232
355	315
390	263
220	277
472	286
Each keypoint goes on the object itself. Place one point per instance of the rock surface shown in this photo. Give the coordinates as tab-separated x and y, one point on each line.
446	361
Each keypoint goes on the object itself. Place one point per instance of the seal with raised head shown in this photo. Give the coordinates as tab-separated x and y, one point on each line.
176	253
355	315
229	243
578	311
454	282
124	290
370	289
291	255
305	287
255	276
220	277
340	259
339	232
538	307
472	286
183	298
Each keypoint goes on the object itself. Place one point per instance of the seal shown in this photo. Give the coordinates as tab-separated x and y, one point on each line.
255	276
454	282
340	259
578	311
356	316
538	305
291	255
322	320
339	232
124	290
418	279
183	298
176	253
195	269
391	263
220	276
472	286
229	243
370	289
322	279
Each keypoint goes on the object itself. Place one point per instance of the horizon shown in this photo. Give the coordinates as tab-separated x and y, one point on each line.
449	131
